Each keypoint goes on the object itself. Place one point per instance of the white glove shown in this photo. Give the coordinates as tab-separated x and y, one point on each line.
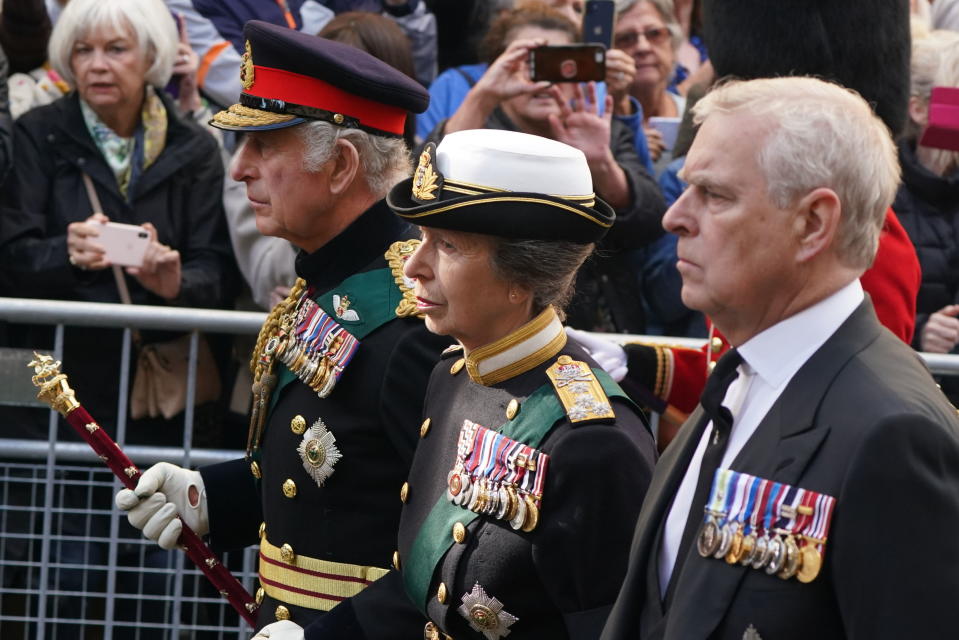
162	494
607	354
282	630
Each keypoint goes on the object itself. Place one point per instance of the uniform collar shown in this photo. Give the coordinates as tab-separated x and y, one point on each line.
362	242
529	346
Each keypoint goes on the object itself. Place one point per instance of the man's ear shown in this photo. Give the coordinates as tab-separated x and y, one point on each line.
346	166
817	222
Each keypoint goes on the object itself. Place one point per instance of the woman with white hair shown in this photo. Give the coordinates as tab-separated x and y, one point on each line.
121	134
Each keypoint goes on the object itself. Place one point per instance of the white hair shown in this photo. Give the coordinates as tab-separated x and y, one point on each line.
149	22
818	134
385	160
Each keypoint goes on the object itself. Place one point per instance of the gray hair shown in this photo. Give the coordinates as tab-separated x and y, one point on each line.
818	134
666	12
546	267
149	22
385	160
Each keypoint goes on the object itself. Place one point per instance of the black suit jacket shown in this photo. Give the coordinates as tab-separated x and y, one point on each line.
862	421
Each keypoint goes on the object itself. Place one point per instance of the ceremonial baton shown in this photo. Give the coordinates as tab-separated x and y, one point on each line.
55	391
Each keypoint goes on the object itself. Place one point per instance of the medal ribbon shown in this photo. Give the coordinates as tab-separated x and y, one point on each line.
787	499
738	483
764	489
714	503
771	506
743	516
820	527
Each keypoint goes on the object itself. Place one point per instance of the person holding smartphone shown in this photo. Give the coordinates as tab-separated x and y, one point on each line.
148	167
607	296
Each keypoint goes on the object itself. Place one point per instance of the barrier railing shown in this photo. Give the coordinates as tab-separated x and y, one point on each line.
71	567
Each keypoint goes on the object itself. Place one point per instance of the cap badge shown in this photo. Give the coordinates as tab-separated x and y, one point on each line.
485	614
318	452
426	181
246	67
342	306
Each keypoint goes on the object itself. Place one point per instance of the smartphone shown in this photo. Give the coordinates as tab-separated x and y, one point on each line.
669	127
125	244
568	63
598	21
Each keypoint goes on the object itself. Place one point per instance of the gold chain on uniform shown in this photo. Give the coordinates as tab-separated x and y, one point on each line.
262	363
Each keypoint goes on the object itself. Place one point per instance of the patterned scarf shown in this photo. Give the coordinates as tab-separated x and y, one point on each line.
141	150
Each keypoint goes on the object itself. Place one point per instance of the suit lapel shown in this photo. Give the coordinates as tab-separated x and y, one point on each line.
641	583
781	448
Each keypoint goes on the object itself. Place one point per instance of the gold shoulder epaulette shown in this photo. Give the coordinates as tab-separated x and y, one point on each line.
397	255
450	350
579	391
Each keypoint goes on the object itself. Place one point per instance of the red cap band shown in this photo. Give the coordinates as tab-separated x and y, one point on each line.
277	84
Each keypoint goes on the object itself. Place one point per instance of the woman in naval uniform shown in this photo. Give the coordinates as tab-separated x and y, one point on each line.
532	464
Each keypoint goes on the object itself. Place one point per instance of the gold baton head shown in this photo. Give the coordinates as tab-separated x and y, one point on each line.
54	389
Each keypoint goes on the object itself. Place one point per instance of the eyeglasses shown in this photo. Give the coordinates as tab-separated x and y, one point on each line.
655	36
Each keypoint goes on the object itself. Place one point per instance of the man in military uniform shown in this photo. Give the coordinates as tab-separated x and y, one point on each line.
341	365
532	465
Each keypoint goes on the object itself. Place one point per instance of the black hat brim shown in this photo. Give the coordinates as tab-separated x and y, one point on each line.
509	214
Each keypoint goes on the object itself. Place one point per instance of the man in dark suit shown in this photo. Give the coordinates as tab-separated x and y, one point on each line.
815	490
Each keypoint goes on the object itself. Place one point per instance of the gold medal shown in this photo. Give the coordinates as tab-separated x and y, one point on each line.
810	565
532	514
512	507
747	549
736	546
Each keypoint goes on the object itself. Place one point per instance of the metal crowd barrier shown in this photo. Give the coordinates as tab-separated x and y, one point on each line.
71	567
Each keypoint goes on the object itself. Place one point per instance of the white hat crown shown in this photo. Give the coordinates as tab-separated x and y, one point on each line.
513	161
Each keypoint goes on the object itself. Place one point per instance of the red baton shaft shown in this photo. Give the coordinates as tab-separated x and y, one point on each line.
55	391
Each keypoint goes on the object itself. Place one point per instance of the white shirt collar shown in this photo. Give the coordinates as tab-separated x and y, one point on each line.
772	354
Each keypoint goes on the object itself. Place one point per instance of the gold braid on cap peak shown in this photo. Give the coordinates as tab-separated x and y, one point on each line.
240	116
471	189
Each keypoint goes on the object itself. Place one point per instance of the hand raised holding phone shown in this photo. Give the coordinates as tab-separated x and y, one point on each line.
160	270
84	249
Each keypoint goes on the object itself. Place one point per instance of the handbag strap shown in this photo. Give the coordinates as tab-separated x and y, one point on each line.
118	277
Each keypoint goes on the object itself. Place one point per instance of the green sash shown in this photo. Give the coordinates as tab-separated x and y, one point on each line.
541	410
373	295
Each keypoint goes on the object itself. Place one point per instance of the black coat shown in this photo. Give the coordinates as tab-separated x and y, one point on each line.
374	414
861	421
608	293
180	193
560	579
862	44
928	208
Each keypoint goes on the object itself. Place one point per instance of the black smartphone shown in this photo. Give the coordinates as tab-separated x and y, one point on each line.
568	63
598	19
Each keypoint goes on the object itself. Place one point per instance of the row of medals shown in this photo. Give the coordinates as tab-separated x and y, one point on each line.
310	362
777	551
501	500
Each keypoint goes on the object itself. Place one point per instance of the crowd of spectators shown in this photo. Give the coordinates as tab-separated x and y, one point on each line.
155	162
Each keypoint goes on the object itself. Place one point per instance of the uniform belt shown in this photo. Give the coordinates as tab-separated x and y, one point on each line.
310	582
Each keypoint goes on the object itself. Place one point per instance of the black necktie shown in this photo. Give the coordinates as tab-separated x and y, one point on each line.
716	387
